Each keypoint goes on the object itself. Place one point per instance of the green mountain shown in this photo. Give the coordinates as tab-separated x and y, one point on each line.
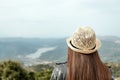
21	48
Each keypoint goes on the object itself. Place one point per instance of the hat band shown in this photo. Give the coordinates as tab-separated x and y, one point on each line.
82	49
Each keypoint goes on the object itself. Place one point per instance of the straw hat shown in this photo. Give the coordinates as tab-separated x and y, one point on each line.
84	40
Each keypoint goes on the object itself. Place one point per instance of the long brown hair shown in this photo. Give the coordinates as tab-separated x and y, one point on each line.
86	67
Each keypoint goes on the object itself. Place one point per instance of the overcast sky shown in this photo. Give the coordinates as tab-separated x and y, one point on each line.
58	18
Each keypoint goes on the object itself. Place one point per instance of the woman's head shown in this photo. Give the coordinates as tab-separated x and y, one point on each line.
84	40
83	60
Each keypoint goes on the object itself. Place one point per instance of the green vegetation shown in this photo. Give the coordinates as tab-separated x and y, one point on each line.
43	75
12	70
42	71
115	69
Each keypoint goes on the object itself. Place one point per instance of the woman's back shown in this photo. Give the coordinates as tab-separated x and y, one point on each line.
83	62
60	71
86	67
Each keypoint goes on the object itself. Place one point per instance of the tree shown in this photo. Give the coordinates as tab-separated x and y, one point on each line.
11	70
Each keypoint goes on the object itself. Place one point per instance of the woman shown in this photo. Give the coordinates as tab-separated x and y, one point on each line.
83	62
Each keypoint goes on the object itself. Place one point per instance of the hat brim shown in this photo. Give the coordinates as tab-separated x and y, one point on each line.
98	45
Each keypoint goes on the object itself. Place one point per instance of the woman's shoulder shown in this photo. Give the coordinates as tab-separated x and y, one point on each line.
110	68
61	63
62	67
59	72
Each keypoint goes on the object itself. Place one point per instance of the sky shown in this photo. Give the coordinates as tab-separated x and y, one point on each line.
58	18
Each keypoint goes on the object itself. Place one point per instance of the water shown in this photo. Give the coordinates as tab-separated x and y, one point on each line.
39	52
34	58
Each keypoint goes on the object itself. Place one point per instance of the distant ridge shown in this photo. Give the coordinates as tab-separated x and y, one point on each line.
11	48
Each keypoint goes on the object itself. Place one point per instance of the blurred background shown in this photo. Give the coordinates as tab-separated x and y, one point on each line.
29	28
34	32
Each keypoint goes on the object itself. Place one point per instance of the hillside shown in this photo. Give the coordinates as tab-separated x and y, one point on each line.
23	49
13	70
